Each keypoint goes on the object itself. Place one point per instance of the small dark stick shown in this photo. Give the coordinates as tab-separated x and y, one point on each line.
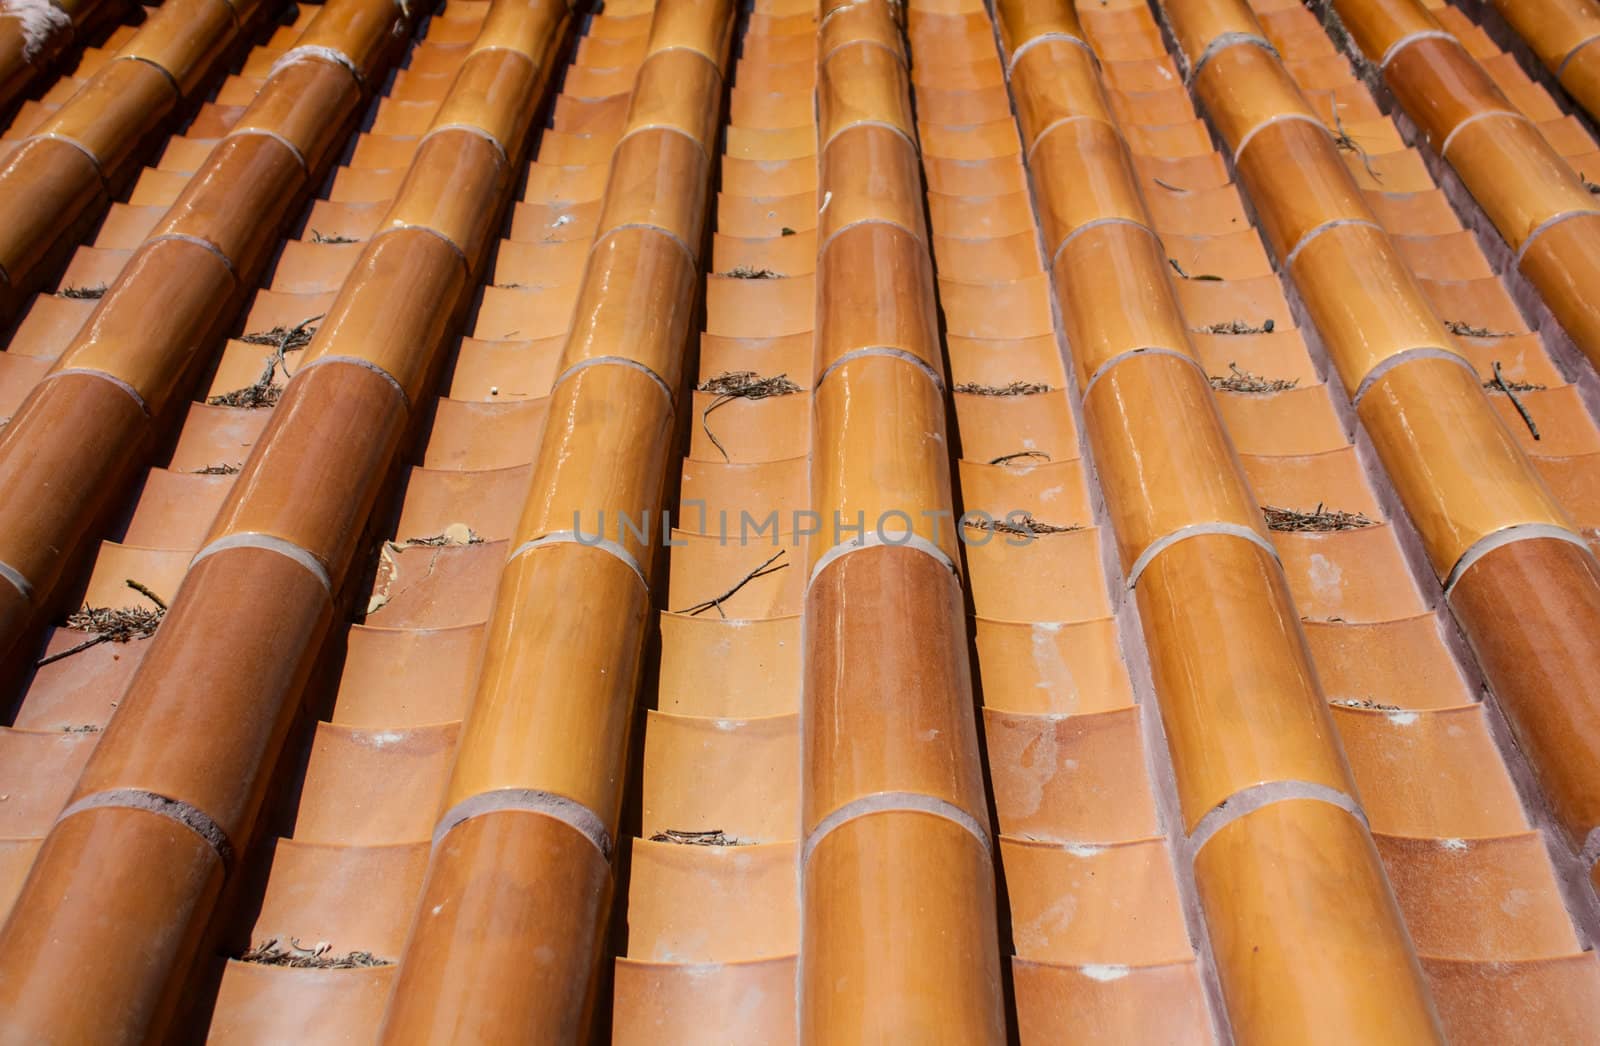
1505	387
716	604
1002	459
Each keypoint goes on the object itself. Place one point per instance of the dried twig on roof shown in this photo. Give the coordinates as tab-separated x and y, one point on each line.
740	384
454	534
1363	702
264	393
1015	388
1006	459
317	237
713	837
219	470
1239	327
1343	140
1244	381
1319	519
112	624
1509	388
317	957
1467	330
716	604
94	293
1027	527
750	272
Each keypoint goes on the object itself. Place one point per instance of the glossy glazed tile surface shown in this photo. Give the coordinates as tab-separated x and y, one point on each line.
810	523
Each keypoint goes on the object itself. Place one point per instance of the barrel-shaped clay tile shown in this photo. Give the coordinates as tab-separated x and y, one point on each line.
693	25
1197	25
1564	263
882	464
1090	157
1454	464
43	185
1553	29
881	621
389	313
854	23
1540	663
487	898
862	83
896	947
307	104
492	96
1364	301
1297	182
1244	87
658	178
602	465
364	34
181	40
1164	467
872	175
1581	76
151	874
1377	25
1515	176
1300	870
1056	80
113	112
553	713
531	28
452	190
1097	275
681	91
1239	699
269	613
1439	85
325	446
239	201
154	319
875	289
1022	21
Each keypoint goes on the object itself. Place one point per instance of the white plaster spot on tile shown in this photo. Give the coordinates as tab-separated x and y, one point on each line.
385	738
1457	845
1327	580
1402	718
1084	849
1102	972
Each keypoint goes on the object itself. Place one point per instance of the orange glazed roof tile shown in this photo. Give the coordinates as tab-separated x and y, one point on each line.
682	521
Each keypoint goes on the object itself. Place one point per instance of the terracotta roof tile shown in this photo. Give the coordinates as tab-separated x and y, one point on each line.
817	523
